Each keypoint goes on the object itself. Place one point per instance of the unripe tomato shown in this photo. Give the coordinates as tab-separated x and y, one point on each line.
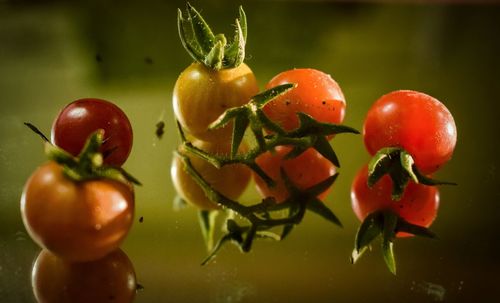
304	171
110	279
414	121
418	205
230	180
316	94
77	221
201	95
79	119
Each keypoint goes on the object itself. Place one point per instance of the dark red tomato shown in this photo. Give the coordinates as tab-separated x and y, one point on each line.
82	117
78	221
419	204
414	121
110	279
316	94
304	171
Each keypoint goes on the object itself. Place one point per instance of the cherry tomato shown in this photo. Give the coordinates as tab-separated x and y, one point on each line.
304	171
230	180
110	279
78	221
201	95
316	94
79	119
414	121
419	204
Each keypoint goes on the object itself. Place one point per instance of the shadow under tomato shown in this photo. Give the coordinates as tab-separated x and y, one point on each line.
110	279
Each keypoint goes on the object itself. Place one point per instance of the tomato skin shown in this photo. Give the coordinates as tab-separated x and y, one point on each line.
316	94
230	180
110	279
304	171
201	95
418	205
74	124
418	123
78	221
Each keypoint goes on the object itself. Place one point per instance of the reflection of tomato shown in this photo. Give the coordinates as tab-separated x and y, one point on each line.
79	221
79	119
420	124
316	94
230	180
304	171
110	279
201	95
418	205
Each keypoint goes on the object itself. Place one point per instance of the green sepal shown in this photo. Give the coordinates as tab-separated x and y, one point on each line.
211	50
323	147
89	163
235	52
400	166
386	224
309	126
388	235
239	128
318	207
207	225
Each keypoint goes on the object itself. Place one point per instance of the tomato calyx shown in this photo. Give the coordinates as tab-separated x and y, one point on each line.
400	166
214	51
310	133
387	224
89	163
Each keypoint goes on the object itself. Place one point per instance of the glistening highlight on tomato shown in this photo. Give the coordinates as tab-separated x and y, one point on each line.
414	121
304	171
316	94
79	119
77	221
418	205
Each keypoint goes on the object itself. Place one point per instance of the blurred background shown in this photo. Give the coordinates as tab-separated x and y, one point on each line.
128	52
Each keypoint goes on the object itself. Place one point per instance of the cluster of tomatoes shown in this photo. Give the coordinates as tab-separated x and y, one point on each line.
79	206
409	134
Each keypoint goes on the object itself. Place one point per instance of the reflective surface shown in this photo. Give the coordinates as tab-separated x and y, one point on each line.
52	53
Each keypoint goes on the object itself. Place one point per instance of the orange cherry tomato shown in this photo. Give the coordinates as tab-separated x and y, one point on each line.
78	221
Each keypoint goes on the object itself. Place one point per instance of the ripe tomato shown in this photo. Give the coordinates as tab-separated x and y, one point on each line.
414	121
418	205
304	171
78	221
316	94
201	95
230	180
79	119
110	279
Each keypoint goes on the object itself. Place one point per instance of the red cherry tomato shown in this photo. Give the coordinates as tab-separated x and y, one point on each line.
79	119
110	279
414	121
304	171
316	94
78	221
419	204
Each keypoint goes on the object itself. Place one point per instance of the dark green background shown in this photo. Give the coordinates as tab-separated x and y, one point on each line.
48	57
